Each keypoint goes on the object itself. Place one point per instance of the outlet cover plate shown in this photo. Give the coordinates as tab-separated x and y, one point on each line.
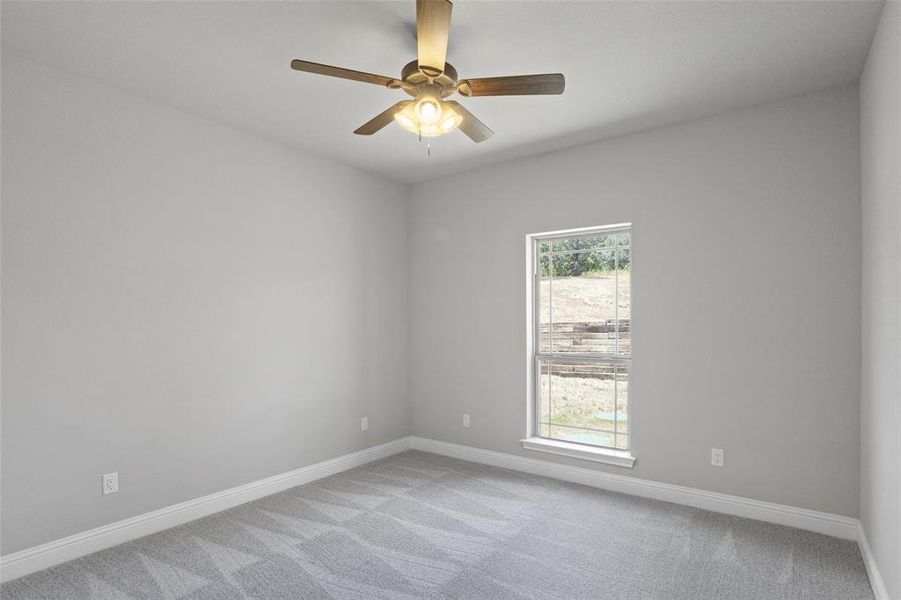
110	483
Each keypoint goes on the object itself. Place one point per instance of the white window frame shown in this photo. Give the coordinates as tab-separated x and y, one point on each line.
532	441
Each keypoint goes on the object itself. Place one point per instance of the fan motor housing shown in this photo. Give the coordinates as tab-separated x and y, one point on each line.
412	78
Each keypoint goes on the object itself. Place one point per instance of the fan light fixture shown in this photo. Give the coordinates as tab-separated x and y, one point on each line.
428	118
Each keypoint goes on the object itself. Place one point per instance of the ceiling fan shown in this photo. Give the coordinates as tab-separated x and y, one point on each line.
429	80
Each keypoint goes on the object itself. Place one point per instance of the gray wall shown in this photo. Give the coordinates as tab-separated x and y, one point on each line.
183	303
880	149
746	296
196	308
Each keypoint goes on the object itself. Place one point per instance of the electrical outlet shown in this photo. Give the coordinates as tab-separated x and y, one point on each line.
110	483
364	423
466	420
717	457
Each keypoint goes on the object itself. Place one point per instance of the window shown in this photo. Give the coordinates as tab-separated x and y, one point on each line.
581	337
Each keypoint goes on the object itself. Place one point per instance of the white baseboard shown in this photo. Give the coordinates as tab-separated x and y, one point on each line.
826	523
59	551
869	561
801	518
62	550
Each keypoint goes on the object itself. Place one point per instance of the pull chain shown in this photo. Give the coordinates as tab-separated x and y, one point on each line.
428	143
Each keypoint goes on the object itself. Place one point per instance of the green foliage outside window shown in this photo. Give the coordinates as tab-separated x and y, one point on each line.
594	254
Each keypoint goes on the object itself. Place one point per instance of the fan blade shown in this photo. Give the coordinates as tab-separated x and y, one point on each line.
311	67
471	126
380	120
433	19
516	85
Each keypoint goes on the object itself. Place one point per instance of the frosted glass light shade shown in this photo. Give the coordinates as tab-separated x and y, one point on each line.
410	118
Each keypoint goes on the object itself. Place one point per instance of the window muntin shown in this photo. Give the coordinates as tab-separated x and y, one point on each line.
582	336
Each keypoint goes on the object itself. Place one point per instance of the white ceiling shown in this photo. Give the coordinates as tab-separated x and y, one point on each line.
628	65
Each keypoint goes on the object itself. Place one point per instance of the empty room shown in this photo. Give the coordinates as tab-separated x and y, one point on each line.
433	299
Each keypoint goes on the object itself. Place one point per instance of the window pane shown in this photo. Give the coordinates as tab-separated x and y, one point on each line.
624	301
581	402
544	397
583	301
544	303
582	395
622	399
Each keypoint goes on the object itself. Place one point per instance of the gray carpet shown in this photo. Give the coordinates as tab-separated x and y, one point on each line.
418	525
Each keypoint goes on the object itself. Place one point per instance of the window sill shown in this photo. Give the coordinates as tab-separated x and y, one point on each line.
619	458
